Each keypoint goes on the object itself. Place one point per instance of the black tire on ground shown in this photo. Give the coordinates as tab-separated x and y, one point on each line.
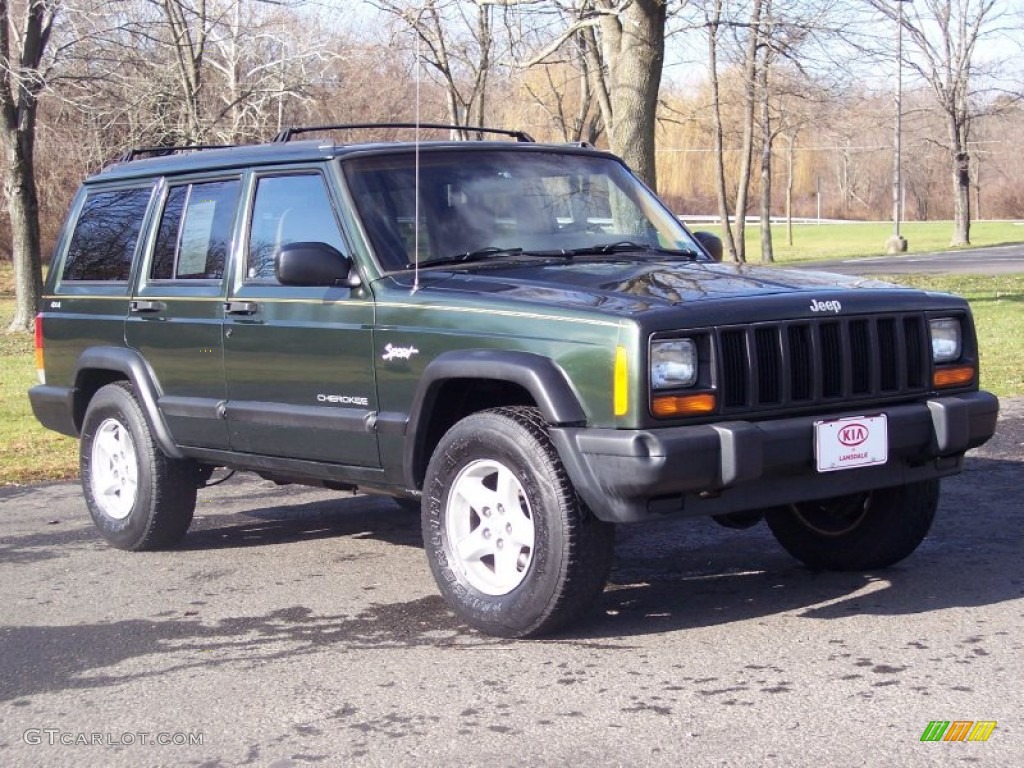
514	551
139	499
858	532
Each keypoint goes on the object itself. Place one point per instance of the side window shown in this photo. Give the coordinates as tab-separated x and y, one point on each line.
288	209
106	234
195	231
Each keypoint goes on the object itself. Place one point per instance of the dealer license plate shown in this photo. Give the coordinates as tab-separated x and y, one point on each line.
861	441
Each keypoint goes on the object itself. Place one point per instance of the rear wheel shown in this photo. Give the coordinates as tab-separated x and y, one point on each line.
138	497
514	551
858	532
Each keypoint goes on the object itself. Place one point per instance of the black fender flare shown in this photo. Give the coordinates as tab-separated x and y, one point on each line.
134	368
538	375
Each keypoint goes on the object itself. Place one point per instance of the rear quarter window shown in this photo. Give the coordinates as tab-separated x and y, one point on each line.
106	235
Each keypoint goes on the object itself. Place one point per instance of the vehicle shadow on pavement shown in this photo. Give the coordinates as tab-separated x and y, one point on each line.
669	577
362	517
39	659
691	573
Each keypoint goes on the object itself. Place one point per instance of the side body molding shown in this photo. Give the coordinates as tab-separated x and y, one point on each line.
538	375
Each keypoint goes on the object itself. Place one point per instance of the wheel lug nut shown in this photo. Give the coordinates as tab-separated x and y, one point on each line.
487	511
501	510
501	543
508	527
487	533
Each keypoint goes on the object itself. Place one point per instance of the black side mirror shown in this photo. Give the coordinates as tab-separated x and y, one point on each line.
314	264
711	243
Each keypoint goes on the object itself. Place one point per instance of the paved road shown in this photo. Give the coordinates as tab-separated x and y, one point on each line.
1002	259
297	627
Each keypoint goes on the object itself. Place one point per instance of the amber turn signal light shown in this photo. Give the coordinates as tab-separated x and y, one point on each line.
953	377
664	406
40	367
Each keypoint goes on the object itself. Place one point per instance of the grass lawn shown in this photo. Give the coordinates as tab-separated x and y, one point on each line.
997	303
29	453
842	241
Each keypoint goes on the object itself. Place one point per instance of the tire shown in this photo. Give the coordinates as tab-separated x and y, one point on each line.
139	499
858	532
513	550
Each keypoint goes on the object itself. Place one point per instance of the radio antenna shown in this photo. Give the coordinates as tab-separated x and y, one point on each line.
416	178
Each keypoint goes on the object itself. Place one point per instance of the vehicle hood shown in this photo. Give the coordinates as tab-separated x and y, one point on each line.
633	286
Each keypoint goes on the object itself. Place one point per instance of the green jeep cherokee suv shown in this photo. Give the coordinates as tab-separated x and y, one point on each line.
519	336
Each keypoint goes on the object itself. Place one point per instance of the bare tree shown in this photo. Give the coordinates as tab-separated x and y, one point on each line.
566	93
264	56
168	72
714	28
459	43
944	37
750	75
767	59
24	76
626	54
786	91
633	44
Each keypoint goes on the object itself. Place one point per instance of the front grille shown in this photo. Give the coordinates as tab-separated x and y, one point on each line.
764	366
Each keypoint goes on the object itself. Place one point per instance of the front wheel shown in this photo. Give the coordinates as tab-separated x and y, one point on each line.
137	496
514	551
858	532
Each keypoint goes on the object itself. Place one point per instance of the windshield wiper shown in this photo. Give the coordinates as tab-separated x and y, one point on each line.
480	254
620	246
629	245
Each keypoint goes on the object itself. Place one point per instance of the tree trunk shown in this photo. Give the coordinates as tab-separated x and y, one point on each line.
189	49
747	151
946	34
598	81
961	183
20	82
23	210
716	112
484	40
767	255
633	42
789	189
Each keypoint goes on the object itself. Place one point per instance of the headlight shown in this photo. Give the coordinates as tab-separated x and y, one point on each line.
673	363
946	336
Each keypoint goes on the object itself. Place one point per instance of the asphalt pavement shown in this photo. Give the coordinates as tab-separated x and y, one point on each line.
994	260
298	627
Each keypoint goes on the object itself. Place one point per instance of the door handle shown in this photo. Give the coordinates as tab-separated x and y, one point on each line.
142	306
241	307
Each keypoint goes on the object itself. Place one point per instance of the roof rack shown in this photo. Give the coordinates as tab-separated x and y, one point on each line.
288	133
137	152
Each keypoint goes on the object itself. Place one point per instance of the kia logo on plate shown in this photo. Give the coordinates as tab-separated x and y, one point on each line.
853	434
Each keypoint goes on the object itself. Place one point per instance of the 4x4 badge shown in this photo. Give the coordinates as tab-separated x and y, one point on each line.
392	352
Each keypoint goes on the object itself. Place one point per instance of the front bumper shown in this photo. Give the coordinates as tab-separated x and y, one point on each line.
632	475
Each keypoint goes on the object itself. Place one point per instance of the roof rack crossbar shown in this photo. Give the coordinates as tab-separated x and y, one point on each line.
287	134
137	152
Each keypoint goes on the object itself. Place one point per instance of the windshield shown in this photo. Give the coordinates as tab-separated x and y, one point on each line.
476	204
